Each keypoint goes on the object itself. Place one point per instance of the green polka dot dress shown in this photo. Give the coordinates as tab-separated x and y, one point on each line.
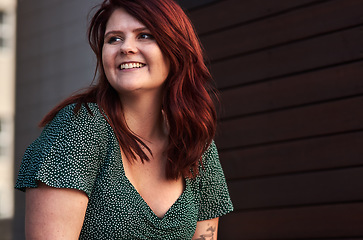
80	151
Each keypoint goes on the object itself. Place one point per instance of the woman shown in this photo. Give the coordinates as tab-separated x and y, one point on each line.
133	156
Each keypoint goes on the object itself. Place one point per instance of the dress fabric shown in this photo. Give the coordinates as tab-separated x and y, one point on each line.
80	151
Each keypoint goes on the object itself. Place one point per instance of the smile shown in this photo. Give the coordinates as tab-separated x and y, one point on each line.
131	65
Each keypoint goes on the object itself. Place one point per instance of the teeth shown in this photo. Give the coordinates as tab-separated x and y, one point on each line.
131	65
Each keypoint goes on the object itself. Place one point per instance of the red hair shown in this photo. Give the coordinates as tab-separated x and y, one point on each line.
187	99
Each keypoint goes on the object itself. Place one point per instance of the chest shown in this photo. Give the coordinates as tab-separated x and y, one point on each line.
116	207
149	181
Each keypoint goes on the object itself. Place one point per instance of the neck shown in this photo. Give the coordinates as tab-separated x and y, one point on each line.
144	117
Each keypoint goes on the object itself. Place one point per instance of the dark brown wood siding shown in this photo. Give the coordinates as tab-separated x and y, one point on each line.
290	73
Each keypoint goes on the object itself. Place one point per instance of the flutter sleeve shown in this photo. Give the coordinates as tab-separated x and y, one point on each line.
214	196
67	154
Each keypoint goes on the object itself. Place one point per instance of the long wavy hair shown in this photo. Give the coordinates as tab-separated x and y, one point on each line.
188	97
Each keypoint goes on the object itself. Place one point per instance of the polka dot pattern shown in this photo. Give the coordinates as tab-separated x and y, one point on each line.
80	151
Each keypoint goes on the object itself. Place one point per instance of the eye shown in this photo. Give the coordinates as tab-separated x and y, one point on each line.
113	39
146	36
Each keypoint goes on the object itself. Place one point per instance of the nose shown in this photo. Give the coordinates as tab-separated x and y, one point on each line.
128	46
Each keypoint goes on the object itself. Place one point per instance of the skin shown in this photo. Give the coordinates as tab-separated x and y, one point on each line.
128	40
206	230
53	213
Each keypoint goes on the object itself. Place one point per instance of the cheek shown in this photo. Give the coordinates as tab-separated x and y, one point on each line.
164	63
166	67
107	63
155	56
105	60
107	57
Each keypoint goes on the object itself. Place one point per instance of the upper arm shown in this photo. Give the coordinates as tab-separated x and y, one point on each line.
54	213
212	189
69	153
206	229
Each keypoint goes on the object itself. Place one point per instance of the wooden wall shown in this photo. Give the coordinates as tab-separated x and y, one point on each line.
290	73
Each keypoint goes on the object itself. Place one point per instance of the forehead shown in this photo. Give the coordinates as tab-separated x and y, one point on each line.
121	19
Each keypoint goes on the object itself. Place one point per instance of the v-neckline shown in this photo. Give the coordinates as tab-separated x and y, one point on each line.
185	186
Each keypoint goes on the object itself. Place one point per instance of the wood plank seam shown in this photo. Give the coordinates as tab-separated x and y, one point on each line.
262	18
294	173
290	74
288	140
288	207
308	104
283	44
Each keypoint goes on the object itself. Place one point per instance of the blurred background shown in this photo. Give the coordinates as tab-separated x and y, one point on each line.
290	74
7	114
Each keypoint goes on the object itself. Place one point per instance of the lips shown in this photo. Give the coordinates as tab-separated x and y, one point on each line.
131	65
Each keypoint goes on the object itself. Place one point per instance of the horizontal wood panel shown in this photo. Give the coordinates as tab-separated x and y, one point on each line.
301	56
305	155
302	23
343	220
226	13
323	187
327	118
345	80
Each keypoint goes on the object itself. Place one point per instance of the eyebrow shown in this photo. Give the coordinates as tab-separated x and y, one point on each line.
135	30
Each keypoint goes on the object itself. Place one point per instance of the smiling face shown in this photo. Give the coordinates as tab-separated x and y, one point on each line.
132	60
